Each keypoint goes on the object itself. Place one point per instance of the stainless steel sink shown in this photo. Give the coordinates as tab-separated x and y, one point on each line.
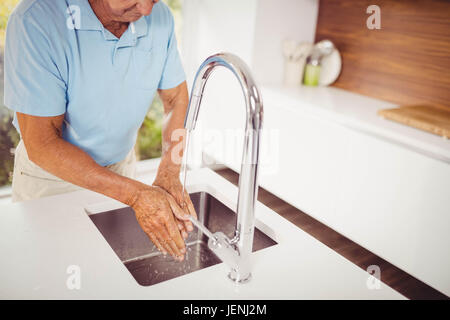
147	265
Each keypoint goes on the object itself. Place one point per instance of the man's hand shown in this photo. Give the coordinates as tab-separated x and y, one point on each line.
153	206
154	210
175	103
170	182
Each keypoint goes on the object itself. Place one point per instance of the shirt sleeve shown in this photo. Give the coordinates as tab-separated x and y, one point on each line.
33	84
173	72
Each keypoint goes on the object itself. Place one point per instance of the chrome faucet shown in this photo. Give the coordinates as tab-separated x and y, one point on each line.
235	252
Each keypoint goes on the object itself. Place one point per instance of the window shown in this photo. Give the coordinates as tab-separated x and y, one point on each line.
148	143
8	134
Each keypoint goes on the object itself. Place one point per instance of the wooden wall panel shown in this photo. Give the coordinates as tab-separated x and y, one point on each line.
407	61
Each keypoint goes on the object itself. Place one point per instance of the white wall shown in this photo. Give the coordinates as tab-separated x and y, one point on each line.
212	26
276	21
251	29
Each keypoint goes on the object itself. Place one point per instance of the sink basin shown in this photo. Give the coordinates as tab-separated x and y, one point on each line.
147	265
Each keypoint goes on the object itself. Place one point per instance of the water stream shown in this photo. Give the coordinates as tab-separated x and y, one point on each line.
183	173
184	163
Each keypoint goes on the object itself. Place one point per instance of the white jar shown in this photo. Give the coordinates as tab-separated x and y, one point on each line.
293	72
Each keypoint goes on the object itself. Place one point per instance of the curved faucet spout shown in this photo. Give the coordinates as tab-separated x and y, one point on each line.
248	180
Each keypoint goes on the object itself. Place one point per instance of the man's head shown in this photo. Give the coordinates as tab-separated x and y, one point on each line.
128	10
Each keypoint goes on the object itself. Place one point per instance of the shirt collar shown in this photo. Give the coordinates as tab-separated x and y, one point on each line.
88	20
83	16
141	27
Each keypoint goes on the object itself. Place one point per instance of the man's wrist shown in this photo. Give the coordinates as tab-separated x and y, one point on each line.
168	167
133	190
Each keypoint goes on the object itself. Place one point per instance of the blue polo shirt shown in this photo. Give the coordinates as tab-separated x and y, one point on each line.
59	59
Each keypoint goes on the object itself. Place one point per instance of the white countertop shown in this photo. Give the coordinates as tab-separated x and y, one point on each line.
357	112
39	239
326	152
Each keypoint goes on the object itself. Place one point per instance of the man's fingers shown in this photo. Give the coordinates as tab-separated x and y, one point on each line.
190	208
169	230
154	214
190	205
182	228
152	232
188	225
173	232
165	242
180	213
172	246
156	242
177	211
175	235
159	236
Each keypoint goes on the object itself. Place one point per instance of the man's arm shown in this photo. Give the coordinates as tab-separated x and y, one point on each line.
175	103
47	149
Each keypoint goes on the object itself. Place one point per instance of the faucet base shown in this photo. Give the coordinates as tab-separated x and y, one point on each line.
237	278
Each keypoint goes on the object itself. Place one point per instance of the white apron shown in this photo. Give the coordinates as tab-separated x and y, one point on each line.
32	182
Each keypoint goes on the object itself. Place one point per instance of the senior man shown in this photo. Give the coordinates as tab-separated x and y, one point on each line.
80	76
